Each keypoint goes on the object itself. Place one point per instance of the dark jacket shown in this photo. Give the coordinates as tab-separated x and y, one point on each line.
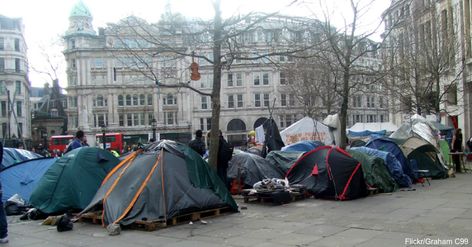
198	145
225	153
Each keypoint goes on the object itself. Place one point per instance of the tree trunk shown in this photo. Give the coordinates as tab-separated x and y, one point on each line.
215	94
344	106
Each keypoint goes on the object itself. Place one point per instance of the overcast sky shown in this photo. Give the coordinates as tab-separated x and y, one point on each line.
46	21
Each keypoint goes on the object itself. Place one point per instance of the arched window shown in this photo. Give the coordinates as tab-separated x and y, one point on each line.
236	125
135	99
142	98
128	99
259	122
120	100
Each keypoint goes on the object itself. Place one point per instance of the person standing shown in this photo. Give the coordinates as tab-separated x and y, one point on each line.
198	144
3	217
457	147
77	142
225	153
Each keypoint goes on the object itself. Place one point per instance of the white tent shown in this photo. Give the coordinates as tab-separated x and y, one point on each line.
389	127
306	129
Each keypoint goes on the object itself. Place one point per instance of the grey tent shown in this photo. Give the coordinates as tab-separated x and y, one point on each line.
283	160
251	168
167	180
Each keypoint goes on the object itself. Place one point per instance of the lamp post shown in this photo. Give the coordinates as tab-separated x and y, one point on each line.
154	127
104	129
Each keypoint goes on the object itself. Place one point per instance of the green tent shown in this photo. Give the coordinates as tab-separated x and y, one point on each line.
375	172
72	181
166	180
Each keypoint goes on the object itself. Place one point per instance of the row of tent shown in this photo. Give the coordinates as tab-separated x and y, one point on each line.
162	181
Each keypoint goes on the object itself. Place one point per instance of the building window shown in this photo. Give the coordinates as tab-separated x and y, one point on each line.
265	79
72	43
129	119
99	101
2	44
121	119
74	63
266	100
202	124
128	99
283	100
18	87
120	100
136	119
204	102
2	64
135	99
20	130
170	100
257	100
357	101
142	99
257	81
19	111
239	79
370	101
149	99
17	44
230	79
17	65
283	78
230	101
100	120
208	124
169	118
240	100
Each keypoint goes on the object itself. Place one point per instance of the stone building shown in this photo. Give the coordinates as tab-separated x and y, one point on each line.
15	116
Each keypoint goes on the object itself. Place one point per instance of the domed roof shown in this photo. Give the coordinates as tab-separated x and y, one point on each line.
80	10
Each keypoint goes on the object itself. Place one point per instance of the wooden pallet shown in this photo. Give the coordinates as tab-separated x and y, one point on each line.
267	198
152	225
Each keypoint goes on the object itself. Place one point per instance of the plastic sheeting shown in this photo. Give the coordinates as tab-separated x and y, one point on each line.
420	126
252	168
22	178
374	127
393	165
14	155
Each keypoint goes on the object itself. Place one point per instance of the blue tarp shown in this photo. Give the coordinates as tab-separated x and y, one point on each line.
393	165
367	133
13	155
302	146
388	145
22	178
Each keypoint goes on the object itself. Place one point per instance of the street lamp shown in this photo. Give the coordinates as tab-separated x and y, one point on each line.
154	127
104	129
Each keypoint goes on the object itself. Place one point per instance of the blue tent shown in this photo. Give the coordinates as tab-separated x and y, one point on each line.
302	146
393	165
22	178
13	155
388	145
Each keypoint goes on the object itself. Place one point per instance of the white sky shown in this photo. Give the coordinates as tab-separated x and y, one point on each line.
46	21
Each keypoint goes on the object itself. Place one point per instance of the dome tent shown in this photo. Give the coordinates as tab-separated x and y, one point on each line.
72	181
166	180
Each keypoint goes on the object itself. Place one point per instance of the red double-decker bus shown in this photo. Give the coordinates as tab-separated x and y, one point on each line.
113	141
58	144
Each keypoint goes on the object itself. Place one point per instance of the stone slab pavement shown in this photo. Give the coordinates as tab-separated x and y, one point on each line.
438	215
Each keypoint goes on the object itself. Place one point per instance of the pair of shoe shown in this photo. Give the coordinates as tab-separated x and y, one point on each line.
4	240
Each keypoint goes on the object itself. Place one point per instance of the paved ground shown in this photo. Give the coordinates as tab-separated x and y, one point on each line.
442	211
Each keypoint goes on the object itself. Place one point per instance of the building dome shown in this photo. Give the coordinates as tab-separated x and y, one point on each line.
80	10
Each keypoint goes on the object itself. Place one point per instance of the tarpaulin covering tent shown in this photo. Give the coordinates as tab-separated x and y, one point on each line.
306	129
22	178
445	151
329	172
302	146
417	125
14	155
366	133
389	145
374	127
375	172
167	180
72	181
283	160
393	165
252	168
